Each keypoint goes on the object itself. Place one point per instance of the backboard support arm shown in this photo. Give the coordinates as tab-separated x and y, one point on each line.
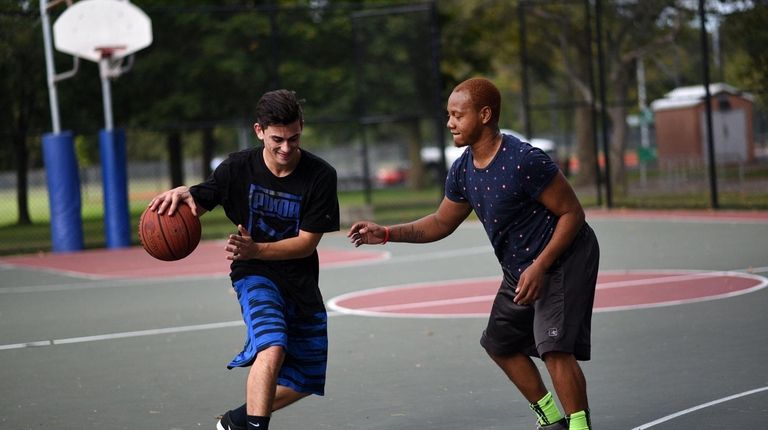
50	66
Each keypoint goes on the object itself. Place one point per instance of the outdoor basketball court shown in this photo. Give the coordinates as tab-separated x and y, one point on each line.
117	340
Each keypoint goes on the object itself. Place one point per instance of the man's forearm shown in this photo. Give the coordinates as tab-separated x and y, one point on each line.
424	230
568	227
286	249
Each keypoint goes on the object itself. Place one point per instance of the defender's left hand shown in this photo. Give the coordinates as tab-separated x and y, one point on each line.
529	287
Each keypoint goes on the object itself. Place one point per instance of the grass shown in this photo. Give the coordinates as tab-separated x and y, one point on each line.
388	206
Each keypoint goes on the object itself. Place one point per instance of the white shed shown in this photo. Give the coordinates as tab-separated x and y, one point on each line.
680	122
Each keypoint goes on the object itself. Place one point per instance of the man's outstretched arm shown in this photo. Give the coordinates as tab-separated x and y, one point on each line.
433	227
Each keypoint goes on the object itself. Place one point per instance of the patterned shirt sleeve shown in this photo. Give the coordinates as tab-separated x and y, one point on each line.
538	170
454	182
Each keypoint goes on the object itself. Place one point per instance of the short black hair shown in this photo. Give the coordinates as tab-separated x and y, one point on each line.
278	107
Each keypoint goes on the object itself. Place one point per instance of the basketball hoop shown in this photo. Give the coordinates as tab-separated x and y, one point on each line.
111	60
97	29
103	31
109	51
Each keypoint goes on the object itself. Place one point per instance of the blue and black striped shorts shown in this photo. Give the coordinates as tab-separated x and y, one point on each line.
271	321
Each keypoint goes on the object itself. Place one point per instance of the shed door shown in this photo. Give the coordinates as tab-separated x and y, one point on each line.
729	130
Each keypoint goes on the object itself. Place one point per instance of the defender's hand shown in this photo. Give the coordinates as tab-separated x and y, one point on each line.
367	233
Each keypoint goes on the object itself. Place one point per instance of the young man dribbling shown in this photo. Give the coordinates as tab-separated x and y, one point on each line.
282	200
548	253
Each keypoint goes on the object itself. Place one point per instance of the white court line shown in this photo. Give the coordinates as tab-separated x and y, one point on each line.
123	335
441	302
673	278
390	310
696	408
128	334
440	254
756	269
662	280
375	311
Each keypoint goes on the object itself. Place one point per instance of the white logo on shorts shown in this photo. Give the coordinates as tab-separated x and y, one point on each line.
553	332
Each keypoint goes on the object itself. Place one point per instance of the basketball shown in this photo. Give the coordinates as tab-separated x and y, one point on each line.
169	238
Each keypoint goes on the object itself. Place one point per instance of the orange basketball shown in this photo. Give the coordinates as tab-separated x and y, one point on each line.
169	238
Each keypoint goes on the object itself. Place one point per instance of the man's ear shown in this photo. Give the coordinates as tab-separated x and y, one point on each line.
258	130
485	114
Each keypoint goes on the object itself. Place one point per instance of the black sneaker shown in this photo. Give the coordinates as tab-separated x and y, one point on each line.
560	425
226	424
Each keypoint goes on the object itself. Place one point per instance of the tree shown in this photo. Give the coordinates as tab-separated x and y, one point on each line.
746	39
394	50
631	30
22	92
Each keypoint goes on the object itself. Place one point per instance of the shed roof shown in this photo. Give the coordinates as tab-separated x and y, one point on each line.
693	95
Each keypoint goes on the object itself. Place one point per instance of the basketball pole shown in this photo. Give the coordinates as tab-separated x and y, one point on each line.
106	91
117	218
53	97
62	174
103	31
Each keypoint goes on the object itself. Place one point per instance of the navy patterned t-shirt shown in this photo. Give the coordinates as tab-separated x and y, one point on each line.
503	195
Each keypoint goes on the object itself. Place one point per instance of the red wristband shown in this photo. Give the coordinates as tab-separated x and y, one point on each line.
386	235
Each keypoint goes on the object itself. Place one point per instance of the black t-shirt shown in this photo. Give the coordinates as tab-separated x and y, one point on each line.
273	208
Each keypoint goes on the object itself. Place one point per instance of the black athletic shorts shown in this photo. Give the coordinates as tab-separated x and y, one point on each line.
561	319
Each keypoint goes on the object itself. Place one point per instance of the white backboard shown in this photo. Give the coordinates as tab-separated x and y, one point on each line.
90	25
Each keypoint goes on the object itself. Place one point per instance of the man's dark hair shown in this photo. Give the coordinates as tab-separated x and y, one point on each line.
278	107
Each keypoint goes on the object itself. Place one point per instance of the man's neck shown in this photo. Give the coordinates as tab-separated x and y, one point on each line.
485	148
280	170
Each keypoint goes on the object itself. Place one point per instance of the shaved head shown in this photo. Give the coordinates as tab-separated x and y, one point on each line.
483	93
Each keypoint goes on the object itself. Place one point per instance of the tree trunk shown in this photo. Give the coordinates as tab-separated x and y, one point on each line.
585	147
619	129
618	144
416	178
175	159
22	183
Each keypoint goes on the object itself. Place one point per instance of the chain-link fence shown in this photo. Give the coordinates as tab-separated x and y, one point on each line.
363	73
375	79
625	102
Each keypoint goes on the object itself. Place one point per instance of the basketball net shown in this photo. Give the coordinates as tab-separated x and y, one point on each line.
113	66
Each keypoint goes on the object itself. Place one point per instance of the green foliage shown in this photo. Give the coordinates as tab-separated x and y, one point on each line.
210	62
746	34
23	97
87	150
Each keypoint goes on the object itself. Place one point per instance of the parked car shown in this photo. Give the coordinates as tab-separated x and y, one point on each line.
430	155
391	174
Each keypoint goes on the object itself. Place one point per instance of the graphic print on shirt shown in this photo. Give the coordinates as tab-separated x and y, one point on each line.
273	215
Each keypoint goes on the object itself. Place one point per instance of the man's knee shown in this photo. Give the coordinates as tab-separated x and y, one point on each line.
272	356
509	362
557	356
556	359
500	358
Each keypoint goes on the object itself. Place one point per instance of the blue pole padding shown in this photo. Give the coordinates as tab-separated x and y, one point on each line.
63	180
117	220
